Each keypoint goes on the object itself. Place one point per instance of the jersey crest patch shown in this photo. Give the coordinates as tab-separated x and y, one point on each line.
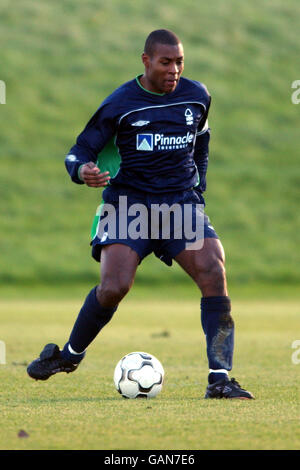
189	117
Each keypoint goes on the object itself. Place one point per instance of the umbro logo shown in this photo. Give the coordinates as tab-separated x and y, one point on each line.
140	123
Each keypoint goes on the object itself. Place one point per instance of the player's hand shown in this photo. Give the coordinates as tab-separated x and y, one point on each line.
92	176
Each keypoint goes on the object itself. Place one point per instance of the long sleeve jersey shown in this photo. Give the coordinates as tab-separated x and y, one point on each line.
162	139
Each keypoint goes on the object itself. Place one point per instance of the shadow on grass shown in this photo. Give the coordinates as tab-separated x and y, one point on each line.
83	399
49	401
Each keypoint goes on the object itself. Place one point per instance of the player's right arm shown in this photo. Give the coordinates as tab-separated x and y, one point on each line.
82	157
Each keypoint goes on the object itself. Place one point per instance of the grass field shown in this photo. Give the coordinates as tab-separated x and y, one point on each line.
83	410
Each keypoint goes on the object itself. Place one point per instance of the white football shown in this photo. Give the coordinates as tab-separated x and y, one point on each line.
139	375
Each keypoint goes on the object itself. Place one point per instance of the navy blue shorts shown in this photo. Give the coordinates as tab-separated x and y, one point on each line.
164	224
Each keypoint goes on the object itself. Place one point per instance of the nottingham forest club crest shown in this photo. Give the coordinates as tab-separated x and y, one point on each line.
189	117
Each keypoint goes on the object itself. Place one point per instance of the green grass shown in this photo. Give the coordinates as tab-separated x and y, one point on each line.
83	410
60	59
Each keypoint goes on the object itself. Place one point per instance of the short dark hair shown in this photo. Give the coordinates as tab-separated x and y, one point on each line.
160	36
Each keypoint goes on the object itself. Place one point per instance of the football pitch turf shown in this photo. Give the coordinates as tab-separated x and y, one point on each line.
83	410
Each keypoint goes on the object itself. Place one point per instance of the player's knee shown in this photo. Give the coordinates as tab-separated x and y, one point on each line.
213	275
122	289
111	293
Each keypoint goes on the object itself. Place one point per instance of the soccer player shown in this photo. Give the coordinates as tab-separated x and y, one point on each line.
159	123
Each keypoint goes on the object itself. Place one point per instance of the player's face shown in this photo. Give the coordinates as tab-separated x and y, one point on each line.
163	68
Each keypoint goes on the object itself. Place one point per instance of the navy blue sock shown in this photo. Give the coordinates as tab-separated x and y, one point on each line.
218	327
90	321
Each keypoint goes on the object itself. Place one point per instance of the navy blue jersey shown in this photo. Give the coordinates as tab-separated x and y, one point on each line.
162	139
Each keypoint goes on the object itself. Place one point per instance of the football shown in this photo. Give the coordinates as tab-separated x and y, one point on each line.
139	375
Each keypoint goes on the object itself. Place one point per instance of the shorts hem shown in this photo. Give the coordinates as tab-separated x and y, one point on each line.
97	247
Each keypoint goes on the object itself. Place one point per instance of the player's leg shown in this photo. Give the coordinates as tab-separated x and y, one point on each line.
206	266
118	267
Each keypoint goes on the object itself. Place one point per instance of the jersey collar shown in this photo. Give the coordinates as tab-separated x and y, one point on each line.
137	78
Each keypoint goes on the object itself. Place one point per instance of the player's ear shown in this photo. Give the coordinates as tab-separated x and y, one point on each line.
145	59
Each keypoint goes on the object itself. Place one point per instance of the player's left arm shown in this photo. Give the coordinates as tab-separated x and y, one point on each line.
201	154
201	148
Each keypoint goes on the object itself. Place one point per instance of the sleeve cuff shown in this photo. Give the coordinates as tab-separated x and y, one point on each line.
78	172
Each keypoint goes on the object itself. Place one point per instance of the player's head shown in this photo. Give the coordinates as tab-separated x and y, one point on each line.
163	59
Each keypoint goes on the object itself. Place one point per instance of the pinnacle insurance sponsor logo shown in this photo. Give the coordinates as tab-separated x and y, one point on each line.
149	142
